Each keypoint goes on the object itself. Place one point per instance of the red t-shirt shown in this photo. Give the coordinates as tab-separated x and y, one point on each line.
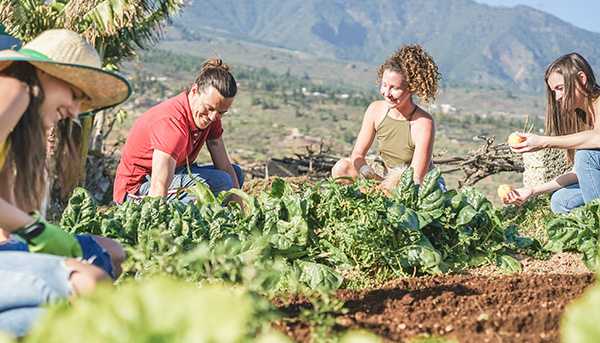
168	127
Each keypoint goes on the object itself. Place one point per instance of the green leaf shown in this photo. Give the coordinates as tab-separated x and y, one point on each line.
466	215
202	193
579	323
80	214
508	264
318	276
156	310
278	188
430	183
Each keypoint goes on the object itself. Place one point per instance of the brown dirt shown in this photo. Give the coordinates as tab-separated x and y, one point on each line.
468	308
559	263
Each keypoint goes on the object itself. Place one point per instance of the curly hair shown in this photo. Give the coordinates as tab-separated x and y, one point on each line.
418	68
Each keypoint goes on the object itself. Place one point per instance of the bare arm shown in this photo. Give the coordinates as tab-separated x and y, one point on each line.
589	139
555	184
218	153
423	133
15	99
365	138
520	195
163	169
12	218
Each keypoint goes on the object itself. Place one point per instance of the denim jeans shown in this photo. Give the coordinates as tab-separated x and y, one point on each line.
587	168
216	179
93	252
27	282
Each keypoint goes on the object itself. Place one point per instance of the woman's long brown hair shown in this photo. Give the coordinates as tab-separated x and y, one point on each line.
26	160
562	117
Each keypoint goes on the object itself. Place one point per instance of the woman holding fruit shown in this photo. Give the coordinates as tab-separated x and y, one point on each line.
404	131
572	123
44	86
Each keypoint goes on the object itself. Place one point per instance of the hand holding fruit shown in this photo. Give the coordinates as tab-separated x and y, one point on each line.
503	191
518	196
525	142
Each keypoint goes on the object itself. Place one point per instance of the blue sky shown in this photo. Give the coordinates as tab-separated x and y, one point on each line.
581	13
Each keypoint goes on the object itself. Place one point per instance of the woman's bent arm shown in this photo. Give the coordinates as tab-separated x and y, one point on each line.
15	99
423	133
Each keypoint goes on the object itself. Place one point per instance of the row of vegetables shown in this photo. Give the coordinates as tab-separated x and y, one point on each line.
324	236
310	239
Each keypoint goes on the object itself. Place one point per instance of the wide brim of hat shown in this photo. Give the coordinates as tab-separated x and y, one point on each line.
103	88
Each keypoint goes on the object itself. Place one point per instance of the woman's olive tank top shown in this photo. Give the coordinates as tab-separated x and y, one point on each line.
396	146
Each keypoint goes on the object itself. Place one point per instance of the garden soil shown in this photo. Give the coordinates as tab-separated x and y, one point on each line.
523	307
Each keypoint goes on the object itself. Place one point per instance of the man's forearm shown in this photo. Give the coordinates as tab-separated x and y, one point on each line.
158	189
163	169
234	176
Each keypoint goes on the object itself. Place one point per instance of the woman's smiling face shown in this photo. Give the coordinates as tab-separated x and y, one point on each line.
61	99
394	88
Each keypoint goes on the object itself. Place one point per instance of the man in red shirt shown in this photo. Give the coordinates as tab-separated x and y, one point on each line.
166	140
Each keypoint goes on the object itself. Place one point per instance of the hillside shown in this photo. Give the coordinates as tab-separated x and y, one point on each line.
473	43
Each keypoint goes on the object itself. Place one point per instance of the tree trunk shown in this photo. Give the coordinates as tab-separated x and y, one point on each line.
97	140
68	174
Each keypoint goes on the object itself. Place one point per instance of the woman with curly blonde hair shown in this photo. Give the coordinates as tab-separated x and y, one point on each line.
404	131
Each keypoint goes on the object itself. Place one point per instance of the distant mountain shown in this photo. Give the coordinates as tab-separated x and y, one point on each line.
472	43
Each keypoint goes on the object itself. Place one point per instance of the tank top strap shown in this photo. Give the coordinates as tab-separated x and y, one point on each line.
3	153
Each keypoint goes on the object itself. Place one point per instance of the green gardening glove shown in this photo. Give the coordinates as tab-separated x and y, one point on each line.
47	238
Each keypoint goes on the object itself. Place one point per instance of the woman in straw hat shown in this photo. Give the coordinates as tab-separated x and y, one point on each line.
45	85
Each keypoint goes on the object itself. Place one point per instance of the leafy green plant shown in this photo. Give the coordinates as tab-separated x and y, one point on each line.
579	321
577	231
322	236
531	217
157	310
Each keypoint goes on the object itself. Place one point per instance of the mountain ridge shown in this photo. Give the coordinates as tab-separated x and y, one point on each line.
472	43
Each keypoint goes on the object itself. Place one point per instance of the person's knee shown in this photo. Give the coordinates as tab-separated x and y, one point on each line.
85	277
116	252
342	168
582	158
222	182
558	204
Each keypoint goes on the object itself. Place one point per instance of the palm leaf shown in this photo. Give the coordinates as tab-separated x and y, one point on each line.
117	28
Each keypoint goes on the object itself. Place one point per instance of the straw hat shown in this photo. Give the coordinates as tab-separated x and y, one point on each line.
69	57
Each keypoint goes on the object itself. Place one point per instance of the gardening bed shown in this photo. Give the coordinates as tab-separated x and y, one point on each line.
467	308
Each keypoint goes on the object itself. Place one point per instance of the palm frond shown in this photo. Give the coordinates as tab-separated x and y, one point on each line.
117	28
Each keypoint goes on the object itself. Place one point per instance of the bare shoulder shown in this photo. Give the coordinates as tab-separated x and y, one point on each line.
422	118
13	89
11	85
376	111
376	106
15	96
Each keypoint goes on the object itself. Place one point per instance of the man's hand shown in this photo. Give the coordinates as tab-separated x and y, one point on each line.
47	238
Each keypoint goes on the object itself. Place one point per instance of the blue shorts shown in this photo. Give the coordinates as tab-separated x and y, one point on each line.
28	282
92	251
